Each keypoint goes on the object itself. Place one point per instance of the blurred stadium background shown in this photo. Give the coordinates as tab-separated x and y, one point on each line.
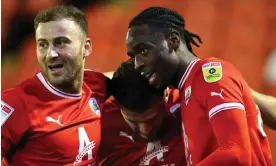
240	31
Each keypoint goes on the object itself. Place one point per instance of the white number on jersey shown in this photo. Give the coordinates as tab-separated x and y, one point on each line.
154	149
85	146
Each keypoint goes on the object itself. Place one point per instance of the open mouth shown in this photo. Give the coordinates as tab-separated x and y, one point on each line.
56	67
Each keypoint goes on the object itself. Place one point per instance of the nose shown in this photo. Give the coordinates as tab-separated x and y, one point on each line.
52	53
138	63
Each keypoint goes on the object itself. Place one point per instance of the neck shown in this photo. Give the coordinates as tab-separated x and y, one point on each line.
74	86
185	58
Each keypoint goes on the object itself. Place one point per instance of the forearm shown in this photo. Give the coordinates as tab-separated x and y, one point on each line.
231	132
267	105
228	154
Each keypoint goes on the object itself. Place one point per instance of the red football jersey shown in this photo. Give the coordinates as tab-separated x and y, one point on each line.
220	119
118	148
42	125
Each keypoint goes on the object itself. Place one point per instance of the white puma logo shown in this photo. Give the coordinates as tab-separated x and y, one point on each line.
125	135
50	119
217	94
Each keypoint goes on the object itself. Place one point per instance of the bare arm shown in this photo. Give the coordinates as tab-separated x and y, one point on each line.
267	105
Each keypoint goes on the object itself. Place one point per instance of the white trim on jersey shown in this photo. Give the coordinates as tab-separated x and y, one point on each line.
186	74
175	107
54	90
225	106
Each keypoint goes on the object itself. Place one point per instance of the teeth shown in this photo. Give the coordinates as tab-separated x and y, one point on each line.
143	73
52	67
56	66
151	79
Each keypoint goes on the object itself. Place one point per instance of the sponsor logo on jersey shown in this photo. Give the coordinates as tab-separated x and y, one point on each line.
94	106
212	71
188	92
6	111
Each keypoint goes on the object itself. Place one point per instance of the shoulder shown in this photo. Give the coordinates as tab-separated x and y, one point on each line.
17	92
111	106
216	71
97	82
13	102
18	95
111	116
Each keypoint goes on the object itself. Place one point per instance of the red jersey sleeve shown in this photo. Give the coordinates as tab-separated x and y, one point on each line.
14	121
219	89
219	92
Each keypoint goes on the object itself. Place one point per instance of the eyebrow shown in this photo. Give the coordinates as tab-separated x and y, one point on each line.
54	39
136	46
41	39
142	44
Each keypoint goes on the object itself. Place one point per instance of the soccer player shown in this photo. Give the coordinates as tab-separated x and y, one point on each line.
266	103
220	120
140	127
53	117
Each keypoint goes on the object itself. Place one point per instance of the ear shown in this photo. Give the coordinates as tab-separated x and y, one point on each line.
174	39
87	47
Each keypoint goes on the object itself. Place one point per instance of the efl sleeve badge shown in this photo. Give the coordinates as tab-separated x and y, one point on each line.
212	71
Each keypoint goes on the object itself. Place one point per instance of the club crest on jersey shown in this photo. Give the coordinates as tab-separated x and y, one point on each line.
188	92
6	111
212	71
94	106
